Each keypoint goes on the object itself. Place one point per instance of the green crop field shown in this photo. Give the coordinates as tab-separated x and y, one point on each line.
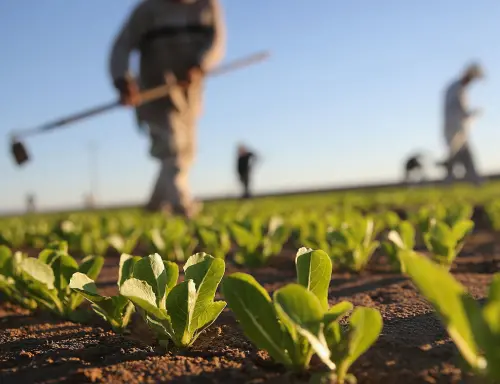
388	285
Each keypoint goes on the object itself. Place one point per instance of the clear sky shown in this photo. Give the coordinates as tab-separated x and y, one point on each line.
352	87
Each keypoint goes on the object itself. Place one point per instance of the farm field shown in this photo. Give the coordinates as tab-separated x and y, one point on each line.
445	233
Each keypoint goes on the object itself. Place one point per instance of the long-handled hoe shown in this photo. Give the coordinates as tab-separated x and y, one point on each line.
21	155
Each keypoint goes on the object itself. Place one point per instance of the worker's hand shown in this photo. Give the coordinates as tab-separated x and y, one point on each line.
129	91
194	75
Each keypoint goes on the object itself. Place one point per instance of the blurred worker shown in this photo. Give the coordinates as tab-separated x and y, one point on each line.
457	120
178	41
30	203
245	163
414	169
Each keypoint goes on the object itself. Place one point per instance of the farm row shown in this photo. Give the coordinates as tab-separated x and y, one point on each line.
194	279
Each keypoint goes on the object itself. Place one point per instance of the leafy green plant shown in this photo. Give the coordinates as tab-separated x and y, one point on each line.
46	279
387	220
256	242
353	244
402	237
298	322
92	243
10	277
450	214
492	209
445	242
457	213
181	312
474	329
174	241
13	236
215	241
126	242
116	310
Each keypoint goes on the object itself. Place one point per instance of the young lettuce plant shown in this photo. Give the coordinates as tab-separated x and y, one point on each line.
456	213
256	242
92	243
248	237
215	241
445	242
493	212
174	242
116	310
353	244
402	237
13	235
474	329
298	322
10	277
181	312
275	236
125	243
46	279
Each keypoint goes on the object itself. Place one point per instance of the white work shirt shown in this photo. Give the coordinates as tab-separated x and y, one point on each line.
457	116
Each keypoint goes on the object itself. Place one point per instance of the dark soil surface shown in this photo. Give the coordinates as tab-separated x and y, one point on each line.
413	346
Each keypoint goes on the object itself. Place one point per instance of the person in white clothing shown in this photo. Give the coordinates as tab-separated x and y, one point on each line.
457	121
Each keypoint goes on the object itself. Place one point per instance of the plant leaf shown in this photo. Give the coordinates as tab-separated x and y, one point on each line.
314	272
337	311
38	271
462	229
296	304
450	300
126	267
142	295
152	270
86	287
253	308
365	326
300	311
63	266
206	273
91	266
5	261
180	303
172	272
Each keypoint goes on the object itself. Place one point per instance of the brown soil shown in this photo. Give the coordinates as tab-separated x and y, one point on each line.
413	346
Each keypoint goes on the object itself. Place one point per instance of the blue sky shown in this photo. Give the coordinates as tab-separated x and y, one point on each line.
351	88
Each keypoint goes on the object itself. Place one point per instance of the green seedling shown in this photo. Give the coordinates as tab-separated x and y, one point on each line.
256	243
493	211
177	313
46	280
116	310
125	243
11	279
298	322
174	241
402	237
216	242
353	244
474	329
445	242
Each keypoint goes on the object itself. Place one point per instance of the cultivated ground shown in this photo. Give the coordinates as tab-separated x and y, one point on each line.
413	346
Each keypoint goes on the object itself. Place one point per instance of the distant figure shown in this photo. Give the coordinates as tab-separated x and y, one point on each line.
245	162
457	120
30	203
179	41
414	167
89	201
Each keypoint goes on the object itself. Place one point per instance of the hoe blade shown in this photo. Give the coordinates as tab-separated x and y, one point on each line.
19	152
